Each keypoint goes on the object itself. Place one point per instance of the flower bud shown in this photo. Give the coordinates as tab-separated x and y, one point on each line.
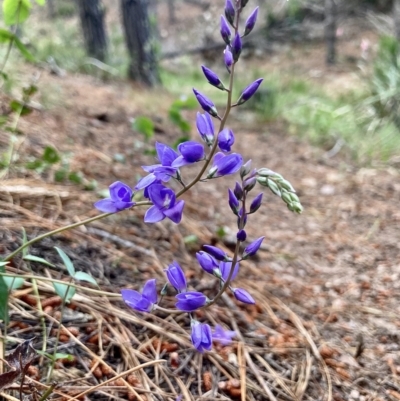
243	296
241	235
245	169
286	185
190	301
205	127
295	207
251	21
230	11
201	336
207	262
265	172
238	191
263	181
228	58
214	251
225	31
206	104
255	205
249	91
237	48
225	165
274	187
225	140
176	277
252	248
225	269
233	202
212	78
249	184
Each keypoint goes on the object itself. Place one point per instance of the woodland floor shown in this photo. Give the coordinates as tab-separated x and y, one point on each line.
327	283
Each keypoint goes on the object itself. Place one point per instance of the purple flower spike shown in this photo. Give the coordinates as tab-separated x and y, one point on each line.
164	205
218	254
251	21
252	248
230	11
201	336
120	199
225	31
226	139
225	268
224	337
191	152
255	205
233	202
249	91
142	302
176	277
205	128
206	104
228	58
207	262
243	296
241	235
212	78
190	301
225	165
236	47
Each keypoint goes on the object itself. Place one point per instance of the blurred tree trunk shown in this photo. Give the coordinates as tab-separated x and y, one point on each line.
330	30
91	13
171	11
140	42
396	18
51	9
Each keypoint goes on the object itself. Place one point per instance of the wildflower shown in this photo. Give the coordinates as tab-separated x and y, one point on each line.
225	31
249	91
251	21
241	235
225	269
230	11
233	202
201	336
225	140
225	165
215	252
120	199
205	127
207	262
191	152
256	203
144	301
176	277
228	58
212	78
243	296
190	301
224	337
206	104
252	248
236	47
164	205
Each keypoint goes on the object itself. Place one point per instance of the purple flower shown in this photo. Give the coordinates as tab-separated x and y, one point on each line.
225	140
236	47
255	205
251	21
205	127
206	104
164	205
241	235
228	58
176	277
201	336
190	301
212	78
233	202
243	296
224	337
249	91
241	224
225	31
120	199
207	262
230	11
217	253
144	301
191	152
225	268
225	165
252	248
238	191
249	183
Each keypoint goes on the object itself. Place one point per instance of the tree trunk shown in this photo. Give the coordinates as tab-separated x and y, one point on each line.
330	30
396	18
140	42
51	9
91	13
171	11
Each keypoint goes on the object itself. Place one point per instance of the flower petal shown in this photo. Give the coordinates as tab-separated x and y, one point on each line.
106	206
153	215
175	212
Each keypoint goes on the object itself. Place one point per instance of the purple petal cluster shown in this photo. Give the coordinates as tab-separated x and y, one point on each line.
225	164
205	103
191	152
201	336
230	11
205	128
164	205
226	139
190	301
176	276
249	91
251	21
120	199
207	262
236	47
144	301
243	296
228	58
225	31
225	268
217	253
212	78
224	337
252	248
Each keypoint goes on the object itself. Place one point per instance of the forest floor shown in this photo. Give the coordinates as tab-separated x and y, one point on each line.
326	322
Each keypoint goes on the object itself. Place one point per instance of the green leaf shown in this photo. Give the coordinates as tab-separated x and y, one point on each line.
75	177
33	258
19	107
64	291
5	35
24	241
41	2
34	164
15	11
190	239
60	175
3	297
176	117
144	126
30	90
82	276
185	102
57	355
23	50
67	261
50	155
13	283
